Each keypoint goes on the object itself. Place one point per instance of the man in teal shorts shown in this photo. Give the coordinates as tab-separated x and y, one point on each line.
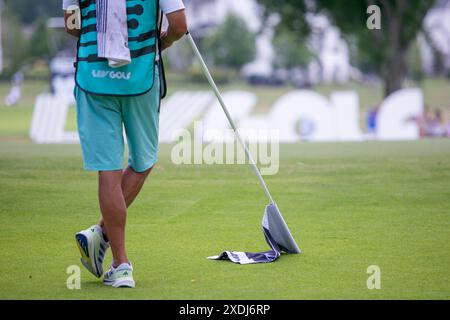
112	99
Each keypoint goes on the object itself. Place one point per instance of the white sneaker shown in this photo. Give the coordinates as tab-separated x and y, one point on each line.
120	277
92	246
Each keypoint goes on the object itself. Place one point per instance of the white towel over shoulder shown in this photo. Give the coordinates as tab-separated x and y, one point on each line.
112	32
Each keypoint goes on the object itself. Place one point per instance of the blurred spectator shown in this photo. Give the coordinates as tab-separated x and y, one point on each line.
447	124
434	123
15	93
425	122
372	119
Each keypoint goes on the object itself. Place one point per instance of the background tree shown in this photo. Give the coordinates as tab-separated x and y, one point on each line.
25	33
387	49
291	14
14	43
290	52
232	44
38	45
28	11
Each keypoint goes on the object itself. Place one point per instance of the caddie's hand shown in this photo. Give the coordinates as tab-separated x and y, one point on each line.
165	41
71	23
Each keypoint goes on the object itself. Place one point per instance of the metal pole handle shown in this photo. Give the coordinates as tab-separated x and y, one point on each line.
225	110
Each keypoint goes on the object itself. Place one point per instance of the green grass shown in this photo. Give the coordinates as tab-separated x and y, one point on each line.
349	206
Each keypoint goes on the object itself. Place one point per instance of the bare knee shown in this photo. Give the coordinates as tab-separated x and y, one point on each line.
143	174
110	178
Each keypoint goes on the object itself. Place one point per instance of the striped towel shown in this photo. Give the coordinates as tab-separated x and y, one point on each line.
277	235
112	32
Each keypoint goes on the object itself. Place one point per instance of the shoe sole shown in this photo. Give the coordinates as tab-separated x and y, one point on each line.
121	283
88	262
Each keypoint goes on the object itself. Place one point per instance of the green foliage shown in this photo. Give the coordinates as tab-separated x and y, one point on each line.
400	18
21	50
232	44
291	32
415	62
29	11
14	43
24	48
387	49
290	52
384	50
38	44
291	14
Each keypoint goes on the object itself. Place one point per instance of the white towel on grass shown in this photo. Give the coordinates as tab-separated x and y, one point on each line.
112	32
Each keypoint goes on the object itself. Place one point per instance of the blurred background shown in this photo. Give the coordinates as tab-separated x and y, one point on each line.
264	47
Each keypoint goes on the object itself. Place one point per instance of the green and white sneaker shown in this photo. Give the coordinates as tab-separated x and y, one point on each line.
120	277
92	246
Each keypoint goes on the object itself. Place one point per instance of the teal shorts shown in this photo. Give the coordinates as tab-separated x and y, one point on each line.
102	121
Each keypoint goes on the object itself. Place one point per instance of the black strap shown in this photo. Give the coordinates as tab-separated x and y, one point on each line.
162	72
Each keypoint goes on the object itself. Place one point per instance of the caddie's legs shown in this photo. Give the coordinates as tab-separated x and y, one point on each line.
132	183
114	213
